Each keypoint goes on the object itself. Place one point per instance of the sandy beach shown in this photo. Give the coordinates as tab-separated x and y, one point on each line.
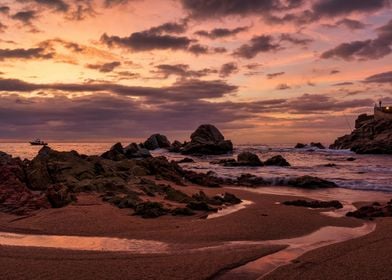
265	219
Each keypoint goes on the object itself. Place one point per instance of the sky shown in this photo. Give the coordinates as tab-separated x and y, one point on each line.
266	71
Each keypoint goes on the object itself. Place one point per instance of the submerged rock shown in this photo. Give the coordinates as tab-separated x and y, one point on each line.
317	145
315	204
310	182
207	140
300	146
375	210
277	161
248	159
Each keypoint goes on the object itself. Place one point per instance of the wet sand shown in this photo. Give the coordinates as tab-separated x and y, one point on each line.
264	219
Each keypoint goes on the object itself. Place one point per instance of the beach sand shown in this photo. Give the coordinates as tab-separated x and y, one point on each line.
262	220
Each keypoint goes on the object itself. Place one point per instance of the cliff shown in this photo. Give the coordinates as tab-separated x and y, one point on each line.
370	136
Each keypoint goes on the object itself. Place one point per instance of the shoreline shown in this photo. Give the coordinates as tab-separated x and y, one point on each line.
254	223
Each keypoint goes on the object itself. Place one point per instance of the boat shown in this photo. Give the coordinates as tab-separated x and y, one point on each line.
38	142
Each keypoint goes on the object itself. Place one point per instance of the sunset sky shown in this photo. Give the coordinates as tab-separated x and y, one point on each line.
262	71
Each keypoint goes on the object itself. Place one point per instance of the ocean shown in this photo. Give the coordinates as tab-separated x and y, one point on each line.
366	172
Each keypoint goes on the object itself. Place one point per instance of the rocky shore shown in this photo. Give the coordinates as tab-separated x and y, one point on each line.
370	136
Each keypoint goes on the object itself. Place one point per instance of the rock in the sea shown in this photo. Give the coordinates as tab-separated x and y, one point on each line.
310	182
277	161
317	145
157	141
134	150
116	153
300	146
186	160
315	204
250	180
175	147
248	159
370	136
207	140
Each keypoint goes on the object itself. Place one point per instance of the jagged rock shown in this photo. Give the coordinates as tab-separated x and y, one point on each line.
251	180
201	206
310	182
317	145
207	140
15	197
315	204
160	166
148	210
277	161
370	136
176	195
59	196
157	141
202	179
134	150
175	147
116	153
230	198
248	159
300	146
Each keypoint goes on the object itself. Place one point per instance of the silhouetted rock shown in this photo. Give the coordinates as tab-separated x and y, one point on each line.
182	212
201	206
370	136
277	161
300	146
175	147
310	182
315	204
248	159
156	141
207	140
317	145
251	180
59	196
136	151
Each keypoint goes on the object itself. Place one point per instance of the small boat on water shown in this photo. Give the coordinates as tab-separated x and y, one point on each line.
38	142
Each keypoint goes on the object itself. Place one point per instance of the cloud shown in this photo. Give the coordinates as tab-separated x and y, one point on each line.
274	75
58	5
285	37
181	90
221	32
351	24
170	27
146	41
25	17
4	9
257	44
113	3
105	67
283	87
364	50
228	69
385	77
33	53
181	70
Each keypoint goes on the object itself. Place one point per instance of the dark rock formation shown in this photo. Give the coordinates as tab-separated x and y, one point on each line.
186	160
59	196
157	141
300	146
182	212
370	136
315	204
207	140
175	147
149	210
248	159
372	211
118	152
317	145
310	182
277	161
250	180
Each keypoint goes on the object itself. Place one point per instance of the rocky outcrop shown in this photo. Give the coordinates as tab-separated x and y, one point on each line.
277	161
370	136
157	141
175	147
118	152
207	140
248	159
310	182
315	204
300	146
372	211
317	145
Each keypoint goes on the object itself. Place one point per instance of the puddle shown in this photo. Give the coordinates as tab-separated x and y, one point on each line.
84	243
296	247
230	209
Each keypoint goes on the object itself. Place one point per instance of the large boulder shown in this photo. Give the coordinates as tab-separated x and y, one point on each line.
119	153
277	161
248	159
310	182
207	140
370	136
157	141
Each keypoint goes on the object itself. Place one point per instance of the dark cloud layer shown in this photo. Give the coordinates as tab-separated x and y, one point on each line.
227	69
363	50
25	17
258	44
105	67
37	53
181	70
221	32
385	77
